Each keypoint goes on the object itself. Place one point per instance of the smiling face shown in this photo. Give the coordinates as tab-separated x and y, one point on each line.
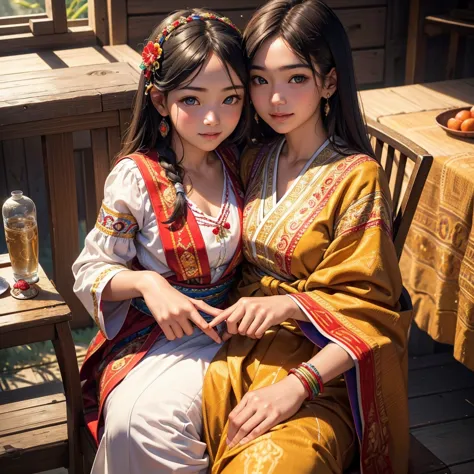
283	89
205	111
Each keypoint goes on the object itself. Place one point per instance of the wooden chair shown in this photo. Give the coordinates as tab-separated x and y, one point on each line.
407	166
458	22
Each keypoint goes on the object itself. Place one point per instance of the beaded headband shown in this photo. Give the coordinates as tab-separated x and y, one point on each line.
153	51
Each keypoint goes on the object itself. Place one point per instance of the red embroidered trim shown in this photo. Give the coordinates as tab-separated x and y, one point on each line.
374	449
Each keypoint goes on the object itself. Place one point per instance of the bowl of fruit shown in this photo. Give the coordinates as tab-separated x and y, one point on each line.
458	122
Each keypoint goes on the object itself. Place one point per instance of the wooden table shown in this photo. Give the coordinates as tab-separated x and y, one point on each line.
40	433
438	260
62	118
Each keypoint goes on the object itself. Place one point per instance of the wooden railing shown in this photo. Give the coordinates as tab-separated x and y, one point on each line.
52	29
61	122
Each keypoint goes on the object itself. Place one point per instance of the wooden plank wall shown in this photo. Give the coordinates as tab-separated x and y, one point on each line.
26	172
364	20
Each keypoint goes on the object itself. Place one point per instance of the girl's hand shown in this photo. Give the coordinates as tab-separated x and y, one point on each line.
172	310
262	409
253	316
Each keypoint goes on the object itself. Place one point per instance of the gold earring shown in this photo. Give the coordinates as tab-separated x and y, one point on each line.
327	107
256	117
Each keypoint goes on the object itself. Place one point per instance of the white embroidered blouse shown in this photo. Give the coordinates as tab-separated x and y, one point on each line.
127	227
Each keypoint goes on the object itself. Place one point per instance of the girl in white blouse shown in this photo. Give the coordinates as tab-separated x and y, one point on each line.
162	255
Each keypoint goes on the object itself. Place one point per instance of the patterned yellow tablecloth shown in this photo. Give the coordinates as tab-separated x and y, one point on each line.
438	260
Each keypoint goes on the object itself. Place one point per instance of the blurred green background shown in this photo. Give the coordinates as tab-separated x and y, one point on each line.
75	8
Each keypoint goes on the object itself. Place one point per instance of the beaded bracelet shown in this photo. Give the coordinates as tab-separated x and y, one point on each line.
311	379
315	374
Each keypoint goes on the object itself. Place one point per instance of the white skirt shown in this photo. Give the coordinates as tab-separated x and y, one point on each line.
153	418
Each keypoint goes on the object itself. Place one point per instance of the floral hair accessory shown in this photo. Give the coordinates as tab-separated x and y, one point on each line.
153	50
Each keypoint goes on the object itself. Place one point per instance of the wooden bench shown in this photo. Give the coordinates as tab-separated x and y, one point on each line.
39	432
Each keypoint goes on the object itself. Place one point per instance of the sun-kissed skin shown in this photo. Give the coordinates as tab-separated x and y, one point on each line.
287	96
203	113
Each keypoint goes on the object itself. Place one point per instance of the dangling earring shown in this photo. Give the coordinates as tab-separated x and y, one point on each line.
256	117
327	107
164	127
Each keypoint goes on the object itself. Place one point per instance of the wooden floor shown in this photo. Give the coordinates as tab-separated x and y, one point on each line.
441	402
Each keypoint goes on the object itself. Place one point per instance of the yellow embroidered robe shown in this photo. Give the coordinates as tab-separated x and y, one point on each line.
328	244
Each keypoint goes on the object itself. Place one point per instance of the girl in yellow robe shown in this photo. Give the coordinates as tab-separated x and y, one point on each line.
322	283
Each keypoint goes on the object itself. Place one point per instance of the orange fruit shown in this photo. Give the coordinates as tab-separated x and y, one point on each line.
472	111
454	124
463	115
468	125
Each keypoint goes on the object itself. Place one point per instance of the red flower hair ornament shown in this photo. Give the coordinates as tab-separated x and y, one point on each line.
153	51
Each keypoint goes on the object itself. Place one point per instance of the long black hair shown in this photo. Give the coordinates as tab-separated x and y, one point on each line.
184	53
315	34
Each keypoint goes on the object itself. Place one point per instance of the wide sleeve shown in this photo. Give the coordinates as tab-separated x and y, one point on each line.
352	298
358	279
110	246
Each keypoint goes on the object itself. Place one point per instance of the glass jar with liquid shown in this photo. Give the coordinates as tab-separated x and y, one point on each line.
21	233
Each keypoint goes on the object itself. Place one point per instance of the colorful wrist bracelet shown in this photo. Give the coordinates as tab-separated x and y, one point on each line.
310	378
304	382
315	374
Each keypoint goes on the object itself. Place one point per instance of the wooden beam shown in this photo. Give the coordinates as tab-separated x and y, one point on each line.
416	45
59	162
47	107
453	55
19	29
77	37
62	124
117	15
98	20
56	11
15	20
114	141
43	26
101	163
123	53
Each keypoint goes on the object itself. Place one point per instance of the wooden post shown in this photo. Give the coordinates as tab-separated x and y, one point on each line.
452	55
117	14
42	26
101	162
56	11
66	355
416	44
98	20
114	140
59	161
